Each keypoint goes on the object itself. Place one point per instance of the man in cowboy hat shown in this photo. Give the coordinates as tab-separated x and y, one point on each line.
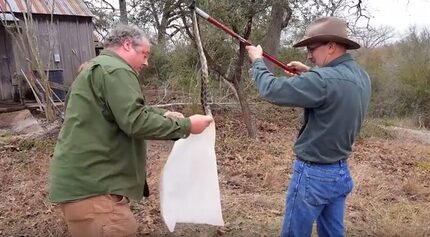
335	95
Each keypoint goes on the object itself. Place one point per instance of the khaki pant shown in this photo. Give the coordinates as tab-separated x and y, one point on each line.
100	216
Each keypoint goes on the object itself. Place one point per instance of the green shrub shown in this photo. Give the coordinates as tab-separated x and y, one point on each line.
374	129
400	75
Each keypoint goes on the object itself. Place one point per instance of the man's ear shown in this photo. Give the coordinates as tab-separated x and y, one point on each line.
127	45
331	47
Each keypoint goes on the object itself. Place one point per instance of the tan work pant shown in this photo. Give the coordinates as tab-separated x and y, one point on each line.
100	216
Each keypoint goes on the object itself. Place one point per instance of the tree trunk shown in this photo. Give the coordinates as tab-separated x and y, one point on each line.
123	12
238	85
161	35
246	111
167	15
277	22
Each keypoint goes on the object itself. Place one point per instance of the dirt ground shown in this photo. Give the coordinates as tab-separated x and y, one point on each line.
391	196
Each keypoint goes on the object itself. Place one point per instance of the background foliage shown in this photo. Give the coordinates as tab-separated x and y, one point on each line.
399	67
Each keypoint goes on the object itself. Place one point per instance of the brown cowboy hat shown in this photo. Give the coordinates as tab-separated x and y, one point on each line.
327	29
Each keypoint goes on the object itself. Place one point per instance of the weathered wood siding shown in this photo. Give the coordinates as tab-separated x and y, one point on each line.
77	45
70	37
6	66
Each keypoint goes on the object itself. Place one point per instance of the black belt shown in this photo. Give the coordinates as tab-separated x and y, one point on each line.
317	163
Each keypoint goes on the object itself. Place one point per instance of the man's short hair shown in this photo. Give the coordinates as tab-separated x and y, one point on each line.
122	33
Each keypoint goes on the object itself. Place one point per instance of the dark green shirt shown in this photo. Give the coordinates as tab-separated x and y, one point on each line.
335	98
101	147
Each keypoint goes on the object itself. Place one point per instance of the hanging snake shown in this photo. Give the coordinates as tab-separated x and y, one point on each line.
204	69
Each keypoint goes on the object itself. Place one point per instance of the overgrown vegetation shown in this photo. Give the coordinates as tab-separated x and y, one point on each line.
270	23
372	128
400	75
400	70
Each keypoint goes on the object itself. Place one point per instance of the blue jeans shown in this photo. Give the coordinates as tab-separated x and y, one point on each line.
317	193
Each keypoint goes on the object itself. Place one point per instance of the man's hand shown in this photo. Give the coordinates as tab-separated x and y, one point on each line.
173	114
298	67
199	123
254	52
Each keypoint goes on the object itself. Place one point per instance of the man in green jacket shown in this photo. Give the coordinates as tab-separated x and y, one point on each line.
335	96
99	159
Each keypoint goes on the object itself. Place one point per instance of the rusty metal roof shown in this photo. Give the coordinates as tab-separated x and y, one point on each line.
8	17
61	7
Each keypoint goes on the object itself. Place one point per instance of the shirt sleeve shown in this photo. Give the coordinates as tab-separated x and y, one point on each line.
156	110
124	98
307	90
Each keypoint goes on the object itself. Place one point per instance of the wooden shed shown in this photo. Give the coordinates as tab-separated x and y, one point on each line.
68	42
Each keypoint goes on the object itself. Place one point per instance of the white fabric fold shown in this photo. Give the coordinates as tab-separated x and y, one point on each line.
189	190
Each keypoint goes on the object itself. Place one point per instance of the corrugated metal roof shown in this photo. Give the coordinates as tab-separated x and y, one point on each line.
8	17
61	7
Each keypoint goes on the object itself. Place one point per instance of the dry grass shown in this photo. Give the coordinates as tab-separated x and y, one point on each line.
391	195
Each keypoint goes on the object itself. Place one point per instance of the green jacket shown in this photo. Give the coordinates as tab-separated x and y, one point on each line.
335	98
101	147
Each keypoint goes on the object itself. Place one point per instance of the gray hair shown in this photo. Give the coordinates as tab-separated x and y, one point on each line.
122	33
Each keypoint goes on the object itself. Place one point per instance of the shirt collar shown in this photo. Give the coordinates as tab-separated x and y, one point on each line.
339	60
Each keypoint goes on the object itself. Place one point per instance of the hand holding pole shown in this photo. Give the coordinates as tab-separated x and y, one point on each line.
269	57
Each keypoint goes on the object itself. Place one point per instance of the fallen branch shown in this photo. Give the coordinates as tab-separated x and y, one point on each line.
181	104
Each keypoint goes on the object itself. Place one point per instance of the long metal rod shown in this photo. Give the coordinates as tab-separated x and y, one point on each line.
269	57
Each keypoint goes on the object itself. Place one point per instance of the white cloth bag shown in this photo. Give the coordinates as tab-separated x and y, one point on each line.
189	190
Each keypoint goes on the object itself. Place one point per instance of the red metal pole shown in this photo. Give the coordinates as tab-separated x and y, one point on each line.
241	39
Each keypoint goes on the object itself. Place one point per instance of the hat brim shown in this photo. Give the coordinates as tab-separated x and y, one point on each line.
327	38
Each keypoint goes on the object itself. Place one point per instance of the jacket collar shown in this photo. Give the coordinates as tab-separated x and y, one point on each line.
111	53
